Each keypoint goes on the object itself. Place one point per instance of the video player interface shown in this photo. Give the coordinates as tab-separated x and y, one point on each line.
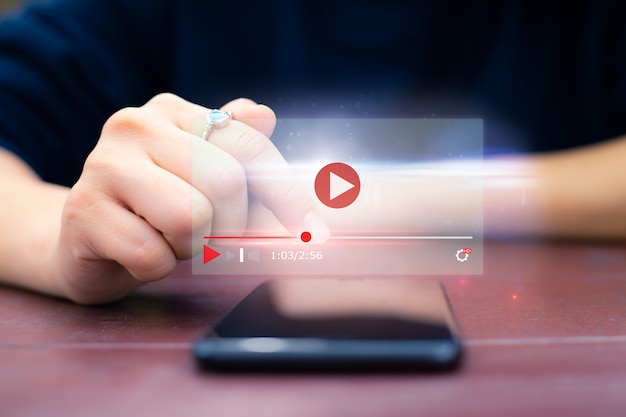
400	197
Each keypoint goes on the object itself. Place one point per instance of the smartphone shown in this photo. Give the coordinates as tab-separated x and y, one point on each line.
323	324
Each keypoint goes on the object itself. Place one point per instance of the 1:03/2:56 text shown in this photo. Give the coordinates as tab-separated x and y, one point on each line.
297	255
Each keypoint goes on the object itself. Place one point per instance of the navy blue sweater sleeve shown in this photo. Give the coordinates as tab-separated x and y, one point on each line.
66	65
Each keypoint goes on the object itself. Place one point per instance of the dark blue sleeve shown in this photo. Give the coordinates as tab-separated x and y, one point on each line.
66	65
616	77
553	75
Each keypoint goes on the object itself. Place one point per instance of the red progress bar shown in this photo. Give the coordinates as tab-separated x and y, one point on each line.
251	237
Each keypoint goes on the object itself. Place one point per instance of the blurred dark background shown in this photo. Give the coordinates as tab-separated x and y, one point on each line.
543	75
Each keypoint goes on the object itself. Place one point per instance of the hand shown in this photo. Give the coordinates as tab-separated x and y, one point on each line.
152	185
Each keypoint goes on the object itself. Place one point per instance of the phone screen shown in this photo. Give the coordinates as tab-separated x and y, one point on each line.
336	324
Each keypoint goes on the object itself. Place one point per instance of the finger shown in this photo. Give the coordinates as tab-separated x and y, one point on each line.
270	178
172	206
222	179
257	116
132	242
201	166
182	212
191	117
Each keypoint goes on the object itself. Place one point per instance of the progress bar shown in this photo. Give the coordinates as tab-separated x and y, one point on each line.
402	237
251	237
350	237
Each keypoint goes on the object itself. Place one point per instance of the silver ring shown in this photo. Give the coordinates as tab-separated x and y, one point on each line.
216	119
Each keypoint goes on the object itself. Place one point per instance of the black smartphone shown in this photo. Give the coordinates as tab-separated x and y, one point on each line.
322	324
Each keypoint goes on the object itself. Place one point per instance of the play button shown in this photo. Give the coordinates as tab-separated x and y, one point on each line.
337	185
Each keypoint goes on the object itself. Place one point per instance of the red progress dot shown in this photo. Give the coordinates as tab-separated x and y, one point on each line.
305	236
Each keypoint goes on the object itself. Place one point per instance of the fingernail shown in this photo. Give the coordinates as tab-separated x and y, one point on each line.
314	224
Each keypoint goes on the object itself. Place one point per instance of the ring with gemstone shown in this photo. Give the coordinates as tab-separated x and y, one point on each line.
216	119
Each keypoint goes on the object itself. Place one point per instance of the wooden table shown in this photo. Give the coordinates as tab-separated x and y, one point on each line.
545	332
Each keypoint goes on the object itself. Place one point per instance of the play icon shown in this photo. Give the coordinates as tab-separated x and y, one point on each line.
209	254
337	185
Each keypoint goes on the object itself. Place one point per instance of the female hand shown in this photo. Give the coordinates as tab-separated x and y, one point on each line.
152	185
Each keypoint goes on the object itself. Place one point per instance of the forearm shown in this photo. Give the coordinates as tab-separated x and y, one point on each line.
575	194
30	216
586	197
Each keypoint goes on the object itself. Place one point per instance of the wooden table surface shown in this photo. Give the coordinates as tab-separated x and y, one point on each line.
544	330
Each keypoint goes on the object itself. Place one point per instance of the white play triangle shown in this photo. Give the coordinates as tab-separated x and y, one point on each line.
338	186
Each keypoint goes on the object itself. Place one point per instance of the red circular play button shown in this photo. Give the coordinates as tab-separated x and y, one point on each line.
337	185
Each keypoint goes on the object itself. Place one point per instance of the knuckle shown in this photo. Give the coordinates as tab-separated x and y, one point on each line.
251	144
137	122
164	99
99	161
201	216
189	214
124	121
182	216
151	260
102	170
81	202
